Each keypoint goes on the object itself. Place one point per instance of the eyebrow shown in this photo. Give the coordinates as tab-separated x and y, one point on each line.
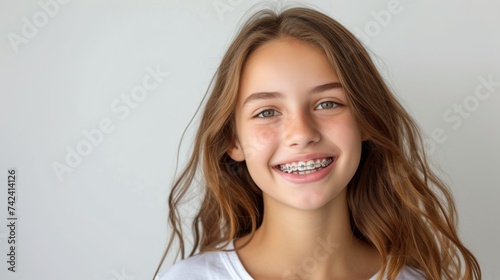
276	94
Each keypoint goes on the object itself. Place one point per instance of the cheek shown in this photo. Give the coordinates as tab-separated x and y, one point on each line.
346	134
259	140
351	142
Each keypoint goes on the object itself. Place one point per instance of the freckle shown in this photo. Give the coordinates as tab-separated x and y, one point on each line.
265	136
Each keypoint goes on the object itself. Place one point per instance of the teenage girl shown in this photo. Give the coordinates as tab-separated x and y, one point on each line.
310	168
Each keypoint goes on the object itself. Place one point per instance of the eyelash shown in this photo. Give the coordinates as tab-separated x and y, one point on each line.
259	115
334	105
276	113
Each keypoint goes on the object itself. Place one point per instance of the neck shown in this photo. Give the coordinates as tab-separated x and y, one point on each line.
305	244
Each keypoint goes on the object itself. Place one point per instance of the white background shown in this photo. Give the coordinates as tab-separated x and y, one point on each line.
107	218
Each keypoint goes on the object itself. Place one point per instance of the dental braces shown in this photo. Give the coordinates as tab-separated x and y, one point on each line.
302	166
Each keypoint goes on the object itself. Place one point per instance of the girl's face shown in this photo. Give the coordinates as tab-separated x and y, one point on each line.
294	127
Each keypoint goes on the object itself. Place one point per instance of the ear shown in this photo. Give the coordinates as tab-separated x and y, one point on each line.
236	152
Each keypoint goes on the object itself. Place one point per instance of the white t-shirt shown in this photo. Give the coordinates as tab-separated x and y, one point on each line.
220	265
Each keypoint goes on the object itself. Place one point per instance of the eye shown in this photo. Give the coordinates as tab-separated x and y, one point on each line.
267	113
327	105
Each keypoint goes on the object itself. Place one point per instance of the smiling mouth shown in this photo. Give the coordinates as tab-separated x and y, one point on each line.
305	167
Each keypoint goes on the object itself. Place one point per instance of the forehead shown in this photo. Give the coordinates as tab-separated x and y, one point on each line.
285	64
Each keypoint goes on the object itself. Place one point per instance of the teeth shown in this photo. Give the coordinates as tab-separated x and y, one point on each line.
311	165
303	167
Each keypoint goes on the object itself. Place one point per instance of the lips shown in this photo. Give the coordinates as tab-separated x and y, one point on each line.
305	166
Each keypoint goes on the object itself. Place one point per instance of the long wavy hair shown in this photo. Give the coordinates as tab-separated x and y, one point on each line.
397	203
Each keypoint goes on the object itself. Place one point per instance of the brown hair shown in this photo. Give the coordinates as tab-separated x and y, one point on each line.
397	203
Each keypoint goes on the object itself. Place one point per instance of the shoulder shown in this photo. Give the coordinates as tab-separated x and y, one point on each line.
207	265
408	273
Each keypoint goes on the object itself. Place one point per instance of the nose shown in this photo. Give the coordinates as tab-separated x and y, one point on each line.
301	131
